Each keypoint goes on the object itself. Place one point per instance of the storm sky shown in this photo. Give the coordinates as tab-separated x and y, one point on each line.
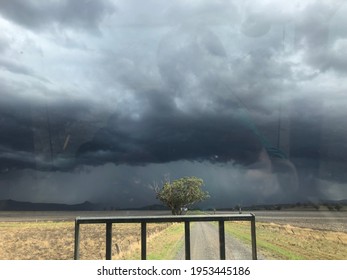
101	100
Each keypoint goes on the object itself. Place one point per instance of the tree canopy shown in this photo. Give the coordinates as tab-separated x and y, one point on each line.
181	193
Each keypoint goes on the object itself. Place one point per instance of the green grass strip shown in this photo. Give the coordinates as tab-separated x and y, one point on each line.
167	244
264	244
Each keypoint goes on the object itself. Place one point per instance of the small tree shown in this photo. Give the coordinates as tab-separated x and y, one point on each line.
181	193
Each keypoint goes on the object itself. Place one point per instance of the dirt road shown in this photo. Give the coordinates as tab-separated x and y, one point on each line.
204	245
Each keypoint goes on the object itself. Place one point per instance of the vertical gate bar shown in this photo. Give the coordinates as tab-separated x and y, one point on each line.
108	241
254	241
221	240
143	240
187	239
77	241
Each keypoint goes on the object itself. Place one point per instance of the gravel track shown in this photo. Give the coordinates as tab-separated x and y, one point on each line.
204	245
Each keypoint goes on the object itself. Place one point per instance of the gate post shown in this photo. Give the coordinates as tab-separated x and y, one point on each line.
254	239
77	240
221	240
143	241
108	241
187	239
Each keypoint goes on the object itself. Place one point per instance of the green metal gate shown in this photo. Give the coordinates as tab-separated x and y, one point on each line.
144	220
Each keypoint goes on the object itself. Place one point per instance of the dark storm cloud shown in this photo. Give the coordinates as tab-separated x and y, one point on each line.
83	14
16	136
42	135
200	88
163	134
200	91
132	186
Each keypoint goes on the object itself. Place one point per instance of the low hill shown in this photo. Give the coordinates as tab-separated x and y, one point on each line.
13	205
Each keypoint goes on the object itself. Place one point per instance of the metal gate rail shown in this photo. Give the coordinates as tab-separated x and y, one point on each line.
144	220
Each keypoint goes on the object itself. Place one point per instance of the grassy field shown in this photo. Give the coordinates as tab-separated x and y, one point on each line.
55	241
286	242
44	240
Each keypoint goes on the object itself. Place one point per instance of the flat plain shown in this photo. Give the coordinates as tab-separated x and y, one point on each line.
280	235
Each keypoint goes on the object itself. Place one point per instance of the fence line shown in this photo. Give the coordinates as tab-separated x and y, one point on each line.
144	220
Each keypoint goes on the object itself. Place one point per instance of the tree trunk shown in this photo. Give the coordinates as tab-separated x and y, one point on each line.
176	211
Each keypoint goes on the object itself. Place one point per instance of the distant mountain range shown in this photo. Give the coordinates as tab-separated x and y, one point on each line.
13	205
306	205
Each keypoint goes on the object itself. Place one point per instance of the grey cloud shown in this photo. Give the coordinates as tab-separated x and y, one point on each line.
193	61
4	44
175	13
332	190
82	14
256	25
337	22
313	34
16	68
336	58
121	72
188	55
204	12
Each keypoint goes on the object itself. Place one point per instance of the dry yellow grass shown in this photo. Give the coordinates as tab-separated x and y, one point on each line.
36	241
277	241
55	240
